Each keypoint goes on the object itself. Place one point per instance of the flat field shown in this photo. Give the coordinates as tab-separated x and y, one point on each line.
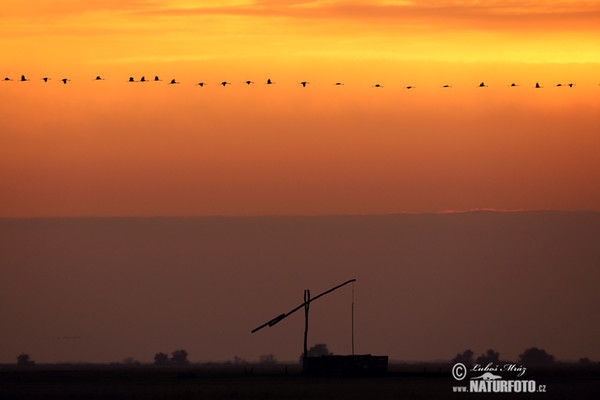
199	382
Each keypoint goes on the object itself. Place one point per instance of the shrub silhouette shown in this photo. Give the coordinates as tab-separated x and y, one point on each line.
24	359
535	356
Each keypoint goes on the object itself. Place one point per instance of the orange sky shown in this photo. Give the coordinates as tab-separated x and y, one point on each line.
114	148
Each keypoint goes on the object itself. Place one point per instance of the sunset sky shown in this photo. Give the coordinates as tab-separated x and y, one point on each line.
111	148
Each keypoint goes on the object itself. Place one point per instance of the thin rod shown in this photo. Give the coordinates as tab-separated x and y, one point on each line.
306	306
282	316
352	318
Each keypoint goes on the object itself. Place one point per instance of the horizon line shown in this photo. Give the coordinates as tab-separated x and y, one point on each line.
391	213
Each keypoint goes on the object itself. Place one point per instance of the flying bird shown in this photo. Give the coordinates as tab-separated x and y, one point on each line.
249	82
131	79
65	80
7	79
201	84
513	85
23	79
537	85
338	84
269	82
377	85
304	83
157	79
482	84
447	86
45	79
409	87
224	83
173	82
558	85
571	84
99	78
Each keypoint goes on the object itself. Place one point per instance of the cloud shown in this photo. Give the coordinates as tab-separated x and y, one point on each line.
499	13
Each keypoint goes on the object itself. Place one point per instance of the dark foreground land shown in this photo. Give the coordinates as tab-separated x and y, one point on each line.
145	382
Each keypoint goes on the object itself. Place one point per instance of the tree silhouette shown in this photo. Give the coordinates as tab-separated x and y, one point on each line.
490	356
24	359
535	356
130	361
179	357
268	359
466	357
161	359
239	361
317	350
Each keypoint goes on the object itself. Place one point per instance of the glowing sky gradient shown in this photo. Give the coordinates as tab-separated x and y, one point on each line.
113	148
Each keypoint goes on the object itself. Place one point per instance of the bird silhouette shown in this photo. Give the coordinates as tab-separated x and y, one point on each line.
157	79
65	80
409	87
224	83
558	85
143	79
45	79
7	79
201	84
377	85
571	84
447	86
269	82
338	84
304	83
23	79
173	82
537	85
513	85
249	82
131	79
99	78
482	84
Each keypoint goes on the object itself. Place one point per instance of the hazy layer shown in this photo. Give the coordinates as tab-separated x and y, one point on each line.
428	286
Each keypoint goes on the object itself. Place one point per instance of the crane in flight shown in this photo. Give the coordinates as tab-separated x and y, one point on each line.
482	84
338	84
65	80
157	79
45	79
173	82
537	85
143	79
23	79
225	83
409	87
201	84
131	79
269	82
99	78
304	83
377	85
249	83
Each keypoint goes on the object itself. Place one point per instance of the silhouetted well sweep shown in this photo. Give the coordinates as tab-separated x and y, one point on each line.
306	305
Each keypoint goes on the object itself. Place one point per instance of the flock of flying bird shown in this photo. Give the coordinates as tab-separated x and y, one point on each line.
268	82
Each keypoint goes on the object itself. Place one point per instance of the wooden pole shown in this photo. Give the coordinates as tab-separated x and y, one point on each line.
352	318
306	306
